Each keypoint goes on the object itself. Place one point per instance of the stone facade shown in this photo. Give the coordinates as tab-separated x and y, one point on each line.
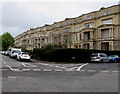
98	30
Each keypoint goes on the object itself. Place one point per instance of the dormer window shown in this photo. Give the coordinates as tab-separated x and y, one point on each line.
57	25
78	20
88	17
106	12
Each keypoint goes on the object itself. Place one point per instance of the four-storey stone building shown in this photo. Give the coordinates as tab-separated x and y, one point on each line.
98	30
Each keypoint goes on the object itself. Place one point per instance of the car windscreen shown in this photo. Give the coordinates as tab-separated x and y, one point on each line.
25	53
94	55
16	51
114	56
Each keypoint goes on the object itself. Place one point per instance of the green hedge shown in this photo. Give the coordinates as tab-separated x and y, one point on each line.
67	55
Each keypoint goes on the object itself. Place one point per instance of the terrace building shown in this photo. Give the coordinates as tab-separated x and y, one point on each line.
98	30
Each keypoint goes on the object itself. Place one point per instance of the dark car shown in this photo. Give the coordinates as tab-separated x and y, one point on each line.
114	58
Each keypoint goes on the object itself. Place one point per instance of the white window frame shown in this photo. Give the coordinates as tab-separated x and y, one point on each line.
107	21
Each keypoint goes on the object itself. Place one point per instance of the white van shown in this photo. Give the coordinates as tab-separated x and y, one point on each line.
14	52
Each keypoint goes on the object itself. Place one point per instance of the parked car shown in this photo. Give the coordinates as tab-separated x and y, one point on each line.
0	52
99	57
14	52
7	53
3	52
114	58
23	56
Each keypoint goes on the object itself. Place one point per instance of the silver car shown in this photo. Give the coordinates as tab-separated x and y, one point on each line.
99	57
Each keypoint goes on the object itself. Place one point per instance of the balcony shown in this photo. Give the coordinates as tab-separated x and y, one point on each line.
108	39
89	40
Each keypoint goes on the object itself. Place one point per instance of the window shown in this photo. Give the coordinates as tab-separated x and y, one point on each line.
67	30
44	29
106	12
103	55
108	21
78	28
88	17
67	23
80	36
57	32
78	20
87	35
57	25
76	37
43	34
106	33
88	25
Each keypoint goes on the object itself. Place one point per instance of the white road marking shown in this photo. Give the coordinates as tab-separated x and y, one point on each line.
58	70
12	77
59	67
15	70
82	66
9	67
103	70
81	70
73	68
92	70
28	65
51	65
36	69
26	69
3	69
114	71
43	64
69	70
73	65
47	70
4	62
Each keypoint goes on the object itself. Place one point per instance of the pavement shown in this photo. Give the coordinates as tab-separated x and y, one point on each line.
44	76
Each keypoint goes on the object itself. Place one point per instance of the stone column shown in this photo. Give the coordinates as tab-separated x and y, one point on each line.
91	45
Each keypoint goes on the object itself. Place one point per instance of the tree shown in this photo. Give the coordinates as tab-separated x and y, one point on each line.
7	41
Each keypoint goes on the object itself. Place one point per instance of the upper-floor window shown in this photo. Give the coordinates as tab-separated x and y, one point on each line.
76	37
78	20
38	29
68	23
43	34
106	12
88	17
37	35
57	25
80	36
108	21
67	30
78	28
88	25
44	29
57	32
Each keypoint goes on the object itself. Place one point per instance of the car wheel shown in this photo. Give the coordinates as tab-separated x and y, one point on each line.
28	60
115	61
101	61
110	61
17	59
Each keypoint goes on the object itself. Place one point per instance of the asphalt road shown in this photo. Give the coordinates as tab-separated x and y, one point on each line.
40	76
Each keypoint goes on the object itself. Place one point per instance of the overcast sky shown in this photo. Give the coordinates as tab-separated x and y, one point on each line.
17	17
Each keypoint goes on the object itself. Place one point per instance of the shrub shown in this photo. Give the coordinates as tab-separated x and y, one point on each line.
67	55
